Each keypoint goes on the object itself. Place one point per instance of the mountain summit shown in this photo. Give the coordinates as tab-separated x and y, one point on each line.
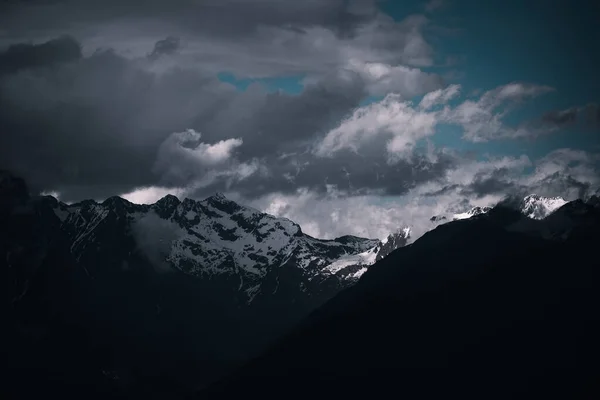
538	207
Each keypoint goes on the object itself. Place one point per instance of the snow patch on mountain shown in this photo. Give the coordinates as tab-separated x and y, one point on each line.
359	273
471	213
366	258
538	207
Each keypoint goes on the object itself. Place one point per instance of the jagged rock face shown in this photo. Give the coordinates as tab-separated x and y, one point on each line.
393	242
437	219
538	207
594	201
212	238
471	213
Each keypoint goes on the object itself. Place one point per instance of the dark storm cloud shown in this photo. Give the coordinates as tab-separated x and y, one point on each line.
447	189
496	182
248	38
223	17
564	172
564	183
26	55
587	116
97	122
92	127
166	46
279	121
557	183
349	172
561	118
591	114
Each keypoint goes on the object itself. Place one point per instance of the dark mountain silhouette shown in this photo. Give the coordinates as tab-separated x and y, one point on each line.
153	300
117	300
45	348
495	306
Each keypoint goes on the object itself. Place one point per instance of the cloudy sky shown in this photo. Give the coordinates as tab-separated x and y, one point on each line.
346	116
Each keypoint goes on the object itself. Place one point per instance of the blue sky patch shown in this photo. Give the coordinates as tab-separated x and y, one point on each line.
289	84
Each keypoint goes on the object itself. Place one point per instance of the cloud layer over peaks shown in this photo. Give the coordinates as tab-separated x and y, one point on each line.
342	115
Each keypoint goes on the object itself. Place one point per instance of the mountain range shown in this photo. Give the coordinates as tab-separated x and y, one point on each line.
162	299
496	306
207	281
211	238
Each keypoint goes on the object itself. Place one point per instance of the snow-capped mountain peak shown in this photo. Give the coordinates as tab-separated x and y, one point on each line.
166	206
218	196
218	238
539	207
392	242
436	219
532	206
471	213
168	200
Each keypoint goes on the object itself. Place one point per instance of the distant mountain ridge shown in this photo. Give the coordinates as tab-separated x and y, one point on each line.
532	206
219	236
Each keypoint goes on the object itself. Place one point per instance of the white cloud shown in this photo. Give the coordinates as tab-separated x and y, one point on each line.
382	79
53	193
182	155
405	123
560	173
384	40
366	216
440	96
517	91
218	152
482	120
335	215
392	118
154	237
571	173
150	195
187	144
466	172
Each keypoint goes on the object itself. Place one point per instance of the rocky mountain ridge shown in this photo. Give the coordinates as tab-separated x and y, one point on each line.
217	236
